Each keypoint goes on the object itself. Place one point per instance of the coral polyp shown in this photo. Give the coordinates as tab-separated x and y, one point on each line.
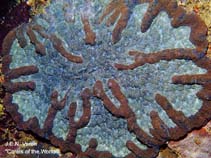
109	79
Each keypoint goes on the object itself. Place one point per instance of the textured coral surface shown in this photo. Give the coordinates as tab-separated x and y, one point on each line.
128	75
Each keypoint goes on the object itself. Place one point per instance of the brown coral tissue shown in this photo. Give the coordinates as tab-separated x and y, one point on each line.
120	79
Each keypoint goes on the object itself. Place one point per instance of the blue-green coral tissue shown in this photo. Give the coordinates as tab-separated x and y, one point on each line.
139	85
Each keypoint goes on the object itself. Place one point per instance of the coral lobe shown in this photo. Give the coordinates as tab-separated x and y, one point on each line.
119	12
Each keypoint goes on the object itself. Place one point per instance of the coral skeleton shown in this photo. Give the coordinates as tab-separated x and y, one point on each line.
117	14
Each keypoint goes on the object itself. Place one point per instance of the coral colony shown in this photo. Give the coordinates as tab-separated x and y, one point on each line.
106	79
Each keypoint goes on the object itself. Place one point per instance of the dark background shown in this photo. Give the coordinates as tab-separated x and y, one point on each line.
12	14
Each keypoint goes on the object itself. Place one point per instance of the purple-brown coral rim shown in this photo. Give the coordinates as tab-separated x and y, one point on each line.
160	132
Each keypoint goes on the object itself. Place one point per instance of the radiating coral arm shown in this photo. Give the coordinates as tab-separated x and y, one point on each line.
13	87
39	47
91	150
150	152
55	106
21	71
57	44
84	119
6	60
141	58
113	17
204	94
93	153
71	136
192	79
116	8
204	63
8	41
121	24
99	92
71	112
90	35
202	116
124	109
153	10
177	133
180	17
33	123
176	116
110	8
48	124
39	29
20	36
141	1
141	135
160	129
162	132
